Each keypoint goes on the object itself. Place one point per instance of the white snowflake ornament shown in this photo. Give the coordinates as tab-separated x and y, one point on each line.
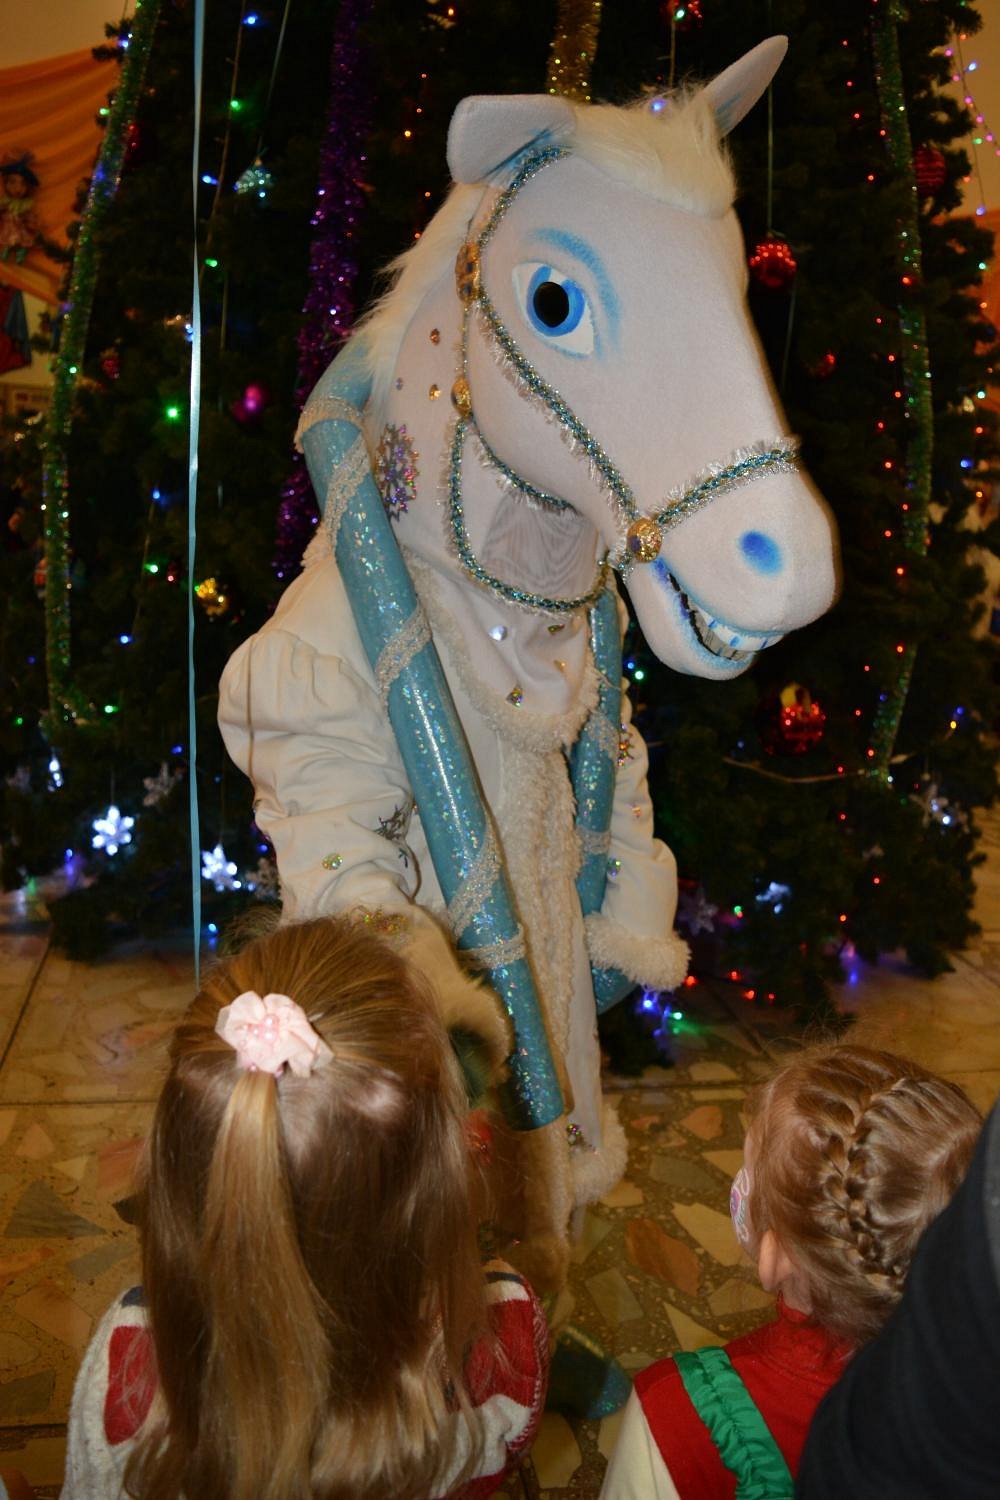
219	870
112	831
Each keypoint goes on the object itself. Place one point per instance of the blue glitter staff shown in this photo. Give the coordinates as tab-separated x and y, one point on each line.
411	681
594	769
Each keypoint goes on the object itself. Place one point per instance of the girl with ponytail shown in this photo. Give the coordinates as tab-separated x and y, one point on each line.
314	1321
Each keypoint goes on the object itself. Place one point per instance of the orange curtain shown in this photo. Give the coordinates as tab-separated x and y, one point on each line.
49	109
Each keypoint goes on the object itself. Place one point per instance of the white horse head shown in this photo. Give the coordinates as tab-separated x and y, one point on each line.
587	388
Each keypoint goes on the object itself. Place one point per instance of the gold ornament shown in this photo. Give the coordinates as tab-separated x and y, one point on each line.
462	397
643	539
213	596
467	272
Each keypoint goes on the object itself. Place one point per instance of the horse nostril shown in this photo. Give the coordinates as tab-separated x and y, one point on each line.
761	552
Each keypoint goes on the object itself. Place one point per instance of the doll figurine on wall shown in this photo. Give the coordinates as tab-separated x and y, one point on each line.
561	384
18	221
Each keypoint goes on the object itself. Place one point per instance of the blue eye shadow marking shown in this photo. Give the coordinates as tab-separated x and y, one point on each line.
573	245
761	552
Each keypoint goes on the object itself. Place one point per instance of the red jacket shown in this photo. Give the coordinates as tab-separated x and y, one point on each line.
787	1366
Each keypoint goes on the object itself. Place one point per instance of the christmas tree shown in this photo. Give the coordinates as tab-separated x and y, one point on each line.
821	805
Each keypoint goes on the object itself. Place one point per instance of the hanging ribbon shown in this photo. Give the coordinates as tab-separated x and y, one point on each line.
194	423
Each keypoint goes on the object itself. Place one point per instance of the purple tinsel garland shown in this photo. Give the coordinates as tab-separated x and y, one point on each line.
333	268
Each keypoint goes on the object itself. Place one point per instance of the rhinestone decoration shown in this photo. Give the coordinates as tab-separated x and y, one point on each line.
498	632
560	665
435	335
461	397
624	745
552	629
332	861
399	382
575	1135
396	470
614	867
434	392
643	539
467	271
516	696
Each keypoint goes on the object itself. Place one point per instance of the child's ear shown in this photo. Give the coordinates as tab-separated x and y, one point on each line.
774	1266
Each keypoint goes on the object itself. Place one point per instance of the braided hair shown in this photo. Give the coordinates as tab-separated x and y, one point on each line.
854	1153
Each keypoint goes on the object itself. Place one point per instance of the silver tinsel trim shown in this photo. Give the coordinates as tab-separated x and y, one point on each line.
472	893
779	456
400	650
594	840
498	955
325	409
353	469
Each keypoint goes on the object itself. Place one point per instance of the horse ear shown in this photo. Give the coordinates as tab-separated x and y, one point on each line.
735	92
488	130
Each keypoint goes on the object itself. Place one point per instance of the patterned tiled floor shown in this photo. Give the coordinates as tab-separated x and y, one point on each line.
656	1268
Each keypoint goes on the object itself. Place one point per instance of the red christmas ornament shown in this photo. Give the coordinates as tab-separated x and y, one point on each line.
111	364
682	14
772	264
792	723
930	170
824	367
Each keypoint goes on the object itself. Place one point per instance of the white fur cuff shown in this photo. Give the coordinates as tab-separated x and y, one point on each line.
657	962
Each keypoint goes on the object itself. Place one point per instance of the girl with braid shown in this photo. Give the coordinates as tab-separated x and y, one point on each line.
849	1155
314	1321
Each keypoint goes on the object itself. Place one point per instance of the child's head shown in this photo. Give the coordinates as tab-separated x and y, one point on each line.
850	1155
309	1248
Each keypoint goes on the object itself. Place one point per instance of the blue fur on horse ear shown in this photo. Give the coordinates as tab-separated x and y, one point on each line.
489	130
736	90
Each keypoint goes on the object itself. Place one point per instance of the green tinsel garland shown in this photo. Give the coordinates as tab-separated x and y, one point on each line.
914	357
64	700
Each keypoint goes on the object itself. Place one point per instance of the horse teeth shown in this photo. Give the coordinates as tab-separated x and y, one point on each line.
705	631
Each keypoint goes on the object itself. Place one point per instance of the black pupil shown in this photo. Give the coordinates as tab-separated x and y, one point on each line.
551	304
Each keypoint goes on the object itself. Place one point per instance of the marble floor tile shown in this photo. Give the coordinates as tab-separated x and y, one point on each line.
97	1032
556	1455
22	955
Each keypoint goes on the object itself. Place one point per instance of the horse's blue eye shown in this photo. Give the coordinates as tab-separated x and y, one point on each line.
556	307
555	304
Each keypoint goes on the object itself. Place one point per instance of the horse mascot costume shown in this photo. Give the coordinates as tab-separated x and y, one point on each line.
562	384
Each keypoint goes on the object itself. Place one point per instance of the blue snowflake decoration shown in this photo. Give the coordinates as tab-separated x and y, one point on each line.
775	896
222	872
396	469
112	831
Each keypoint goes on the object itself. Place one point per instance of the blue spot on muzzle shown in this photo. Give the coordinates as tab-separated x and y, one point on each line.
763	554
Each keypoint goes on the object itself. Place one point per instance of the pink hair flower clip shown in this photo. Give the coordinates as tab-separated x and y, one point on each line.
271	1033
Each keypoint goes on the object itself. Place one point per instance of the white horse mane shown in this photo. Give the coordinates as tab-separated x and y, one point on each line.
675	155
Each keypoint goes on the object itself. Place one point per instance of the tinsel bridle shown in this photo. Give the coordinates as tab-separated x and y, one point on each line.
642	534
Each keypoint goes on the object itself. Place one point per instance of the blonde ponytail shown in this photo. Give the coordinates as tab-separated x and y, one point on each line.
309	1243
267	1362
